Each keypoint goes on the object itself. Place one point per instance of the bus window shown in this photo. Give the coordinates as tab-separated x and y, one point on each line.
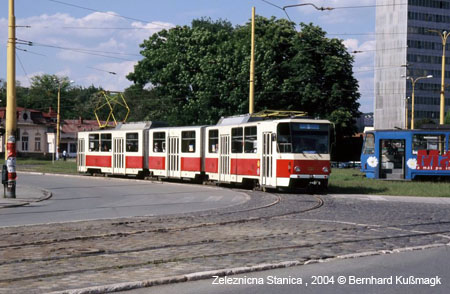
188	141
369	144
159	142
105	141
94	142
250	145
428	142
236	140
213	141
132	142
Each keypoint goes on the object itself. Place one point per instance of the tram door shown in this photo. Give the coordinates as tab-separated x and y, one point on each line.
81	157
224	159
392	165
173	158
118	156
267	161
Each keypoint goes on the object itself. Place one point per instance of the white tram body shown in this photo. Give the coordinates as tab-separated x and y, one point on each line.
273	153
176	152
119	151
286	152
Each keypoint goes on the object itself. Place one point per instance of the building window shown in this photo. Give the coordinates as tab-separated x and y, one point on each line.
213	141
132	142
25	141
188	141
159	142
37	143
236	140
250	145
73	148
94	142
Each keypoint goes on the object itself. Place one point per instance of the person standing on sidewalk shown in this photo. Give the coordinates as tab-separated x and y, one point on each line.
64	155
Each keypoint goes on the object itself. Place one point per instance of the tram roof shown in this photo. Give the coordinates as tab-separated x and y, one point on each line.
247	118
141	125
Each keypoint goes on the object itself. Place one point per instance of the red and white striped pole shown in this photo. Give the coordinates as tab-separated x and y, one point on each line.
11	106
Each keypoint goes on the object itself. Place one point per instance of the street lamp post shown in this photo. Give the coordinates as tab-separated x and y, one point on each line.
304	4
413	82
58	117
444	35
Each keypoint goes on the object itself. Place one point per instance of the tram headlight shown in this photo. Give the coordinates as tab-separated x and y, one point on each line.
325	169
297	169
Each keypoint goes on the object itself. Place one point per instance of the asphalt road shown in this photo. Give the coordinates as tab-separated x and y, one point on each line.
77	198
395	268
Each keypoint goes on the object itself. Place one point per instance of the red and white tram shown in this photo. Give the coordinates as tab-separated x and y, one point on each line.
286	152
176	152
271	153
118	151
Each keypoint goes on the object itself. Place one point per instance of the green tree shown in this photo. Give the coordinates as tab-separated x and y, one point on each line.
76	101
447	118
201	72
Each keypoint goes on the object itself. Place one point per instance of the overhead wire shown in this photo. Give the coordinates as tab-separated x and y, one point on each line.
80	50
23	68
111	13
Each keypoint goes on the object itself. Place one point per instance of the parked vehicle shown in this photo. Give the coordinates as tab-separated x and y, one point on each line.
406	154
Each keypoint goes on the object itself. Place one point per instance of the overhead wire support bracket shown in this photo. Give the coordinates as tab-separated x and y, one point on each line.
279	113
110	101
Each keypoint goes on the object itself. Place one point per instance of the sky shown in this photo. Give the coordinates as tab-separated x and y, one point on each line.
86	40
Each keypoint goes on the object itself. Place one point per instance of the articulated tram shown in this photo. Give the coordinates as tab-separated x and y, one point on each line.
286	152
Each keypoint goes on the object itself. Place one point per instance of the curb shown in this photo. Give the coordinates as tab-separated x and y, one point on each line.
47	195
232	271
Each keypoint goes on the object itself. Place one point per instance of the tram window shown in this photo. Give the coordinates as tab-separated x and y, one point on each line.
105	141
132	141
94	142
159	142
188	141
213	141
250	140
369	144
428	142
284	139
236	140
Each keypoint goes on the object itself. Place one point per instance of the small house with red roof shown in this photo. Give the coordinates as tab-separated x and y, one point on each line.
33	127
36	132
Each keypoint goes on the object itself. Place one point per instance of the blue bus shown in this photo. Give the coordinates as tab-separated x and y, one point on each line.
406	154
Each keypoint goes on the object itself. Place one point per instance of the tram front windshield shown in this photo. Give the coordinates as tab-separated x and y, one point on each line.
302	138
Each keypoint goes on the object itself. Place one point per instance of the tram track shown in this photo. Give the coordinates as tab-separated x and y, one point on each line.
174	229
239	235
206	256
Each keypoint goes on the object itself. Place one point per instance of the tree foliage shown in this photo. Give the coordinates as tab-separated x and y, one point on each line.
43	94
199	73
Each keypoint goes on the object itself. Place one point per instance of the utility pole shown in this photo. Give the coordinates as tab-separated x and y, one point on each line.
11	119
58	122
252	66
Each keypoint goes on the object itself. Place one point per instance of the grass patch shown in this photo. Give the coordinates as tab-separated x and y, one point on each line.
352	181
46	166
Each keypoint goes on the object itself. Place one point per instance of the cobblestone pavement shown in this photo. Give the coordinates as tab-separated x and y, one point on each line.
269	228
